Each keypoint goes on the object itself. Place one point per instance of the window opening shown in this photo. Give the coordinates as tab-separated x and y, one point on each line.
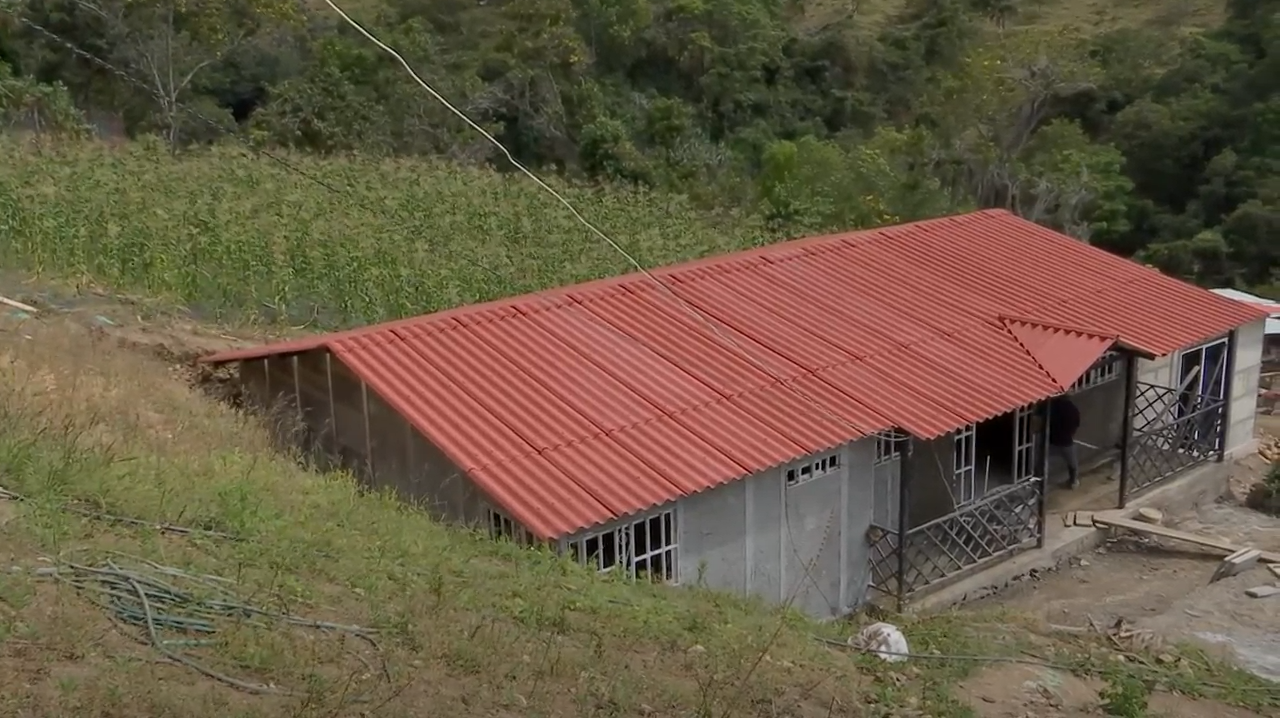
1024	444
1106	369
502	526
645	548
886	450
816	469
964	479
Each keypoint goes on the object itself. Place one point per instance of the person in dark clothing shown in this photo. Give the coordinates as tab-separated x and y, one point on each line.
1064	421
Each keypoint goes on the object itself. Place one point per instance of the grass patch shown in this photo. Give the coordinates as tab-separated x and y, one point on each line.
465	626
236	237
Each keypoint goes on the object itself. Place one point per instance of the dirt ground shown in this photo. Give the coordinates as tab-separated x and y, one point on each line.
1020	691
1160	589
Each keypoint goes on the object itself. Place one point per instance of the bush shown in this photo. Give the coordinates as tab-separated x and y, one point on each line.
1265	495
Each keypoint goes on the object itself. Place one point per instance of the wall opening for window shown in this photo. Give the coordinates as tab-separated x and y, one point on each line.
964	478
645	548
997	452
887	450
808	471
502	526
1106	369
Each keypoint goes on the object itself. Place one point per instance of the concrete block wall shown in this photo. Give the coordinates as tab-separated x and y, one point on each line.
1101	420
759	537
1241	412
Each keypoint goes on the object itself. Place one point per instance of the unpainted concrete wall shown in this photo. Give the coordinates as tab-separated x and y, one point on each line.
1241	412
1101	422
758	537
320	406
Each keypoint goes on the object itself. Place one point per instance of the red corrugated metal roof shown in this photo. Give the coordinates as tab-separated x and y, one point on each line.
1065	353
577	405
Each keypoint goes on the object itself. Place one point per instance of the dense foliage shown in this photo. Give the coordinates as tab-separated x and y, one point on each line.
1141	139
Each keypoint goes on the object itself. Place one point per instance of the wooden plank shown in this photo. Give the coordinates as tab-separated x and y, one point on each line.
1119	522
18	305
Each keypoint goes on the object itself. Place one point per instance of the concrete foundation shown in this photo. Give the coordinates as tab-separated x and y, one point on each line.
1197	486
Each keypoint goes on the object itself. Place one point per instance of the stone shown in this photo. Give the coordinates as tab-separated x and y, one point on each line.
1263	592
1150	515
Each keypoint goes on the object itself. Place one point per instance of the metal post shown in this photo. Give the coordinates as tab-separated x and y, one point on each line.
904	492
1228	393
1043	507
1126	430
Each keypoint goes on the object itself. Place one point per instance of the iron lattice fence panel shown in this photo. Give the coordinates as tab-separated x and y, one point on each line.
1173	431
1000	523
882	543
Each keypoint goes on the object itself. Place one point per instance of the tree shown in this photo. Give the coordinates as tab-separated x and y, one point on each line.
42	109
995	141
170	43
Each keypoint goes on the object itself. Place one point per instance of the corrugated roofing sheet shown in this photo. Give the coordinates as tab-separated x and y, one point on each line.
1066	354
577	405
1273	324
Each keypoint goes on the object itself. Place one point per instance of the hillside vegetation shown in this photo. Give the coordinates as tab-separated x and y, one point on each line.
276	166
1146	128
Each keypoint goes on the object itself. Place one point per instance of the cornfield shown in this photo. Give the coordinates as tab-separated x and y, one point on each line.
236	237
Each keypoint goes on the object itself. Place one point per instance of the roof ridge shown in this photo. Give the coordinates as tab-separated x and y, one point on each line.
1060	326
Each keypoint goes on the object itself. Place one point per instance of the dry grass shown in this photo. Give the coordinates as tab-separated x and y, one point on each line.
466	626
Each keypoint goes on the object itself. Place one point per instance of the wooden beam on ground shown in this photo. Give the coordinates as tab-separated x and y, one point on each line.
18	305
1110	520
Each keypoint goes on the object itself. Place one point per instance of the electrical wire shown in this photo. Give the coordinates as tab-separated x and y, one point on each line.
593	229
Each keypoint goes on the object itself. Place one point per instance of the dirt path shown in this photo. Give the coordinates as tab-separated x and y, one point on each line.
1163	587
1016	691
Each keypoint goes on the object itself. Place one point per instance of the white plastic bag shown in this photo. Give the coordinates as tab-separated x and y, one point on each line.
884	640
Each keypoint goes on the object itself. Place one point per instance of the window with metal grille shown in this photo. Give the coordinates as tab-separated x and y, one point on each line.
810	470
964	487
886	450
502	526
645	548
1104	370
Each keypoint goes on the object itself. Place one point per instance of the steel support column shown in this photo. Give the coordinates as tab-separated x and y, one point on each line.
1126	431
1043	507
904	494
1228	393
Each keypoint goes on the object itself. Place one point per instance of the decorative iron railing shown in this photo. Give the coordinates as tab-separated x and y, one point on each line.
1173	431
1003	521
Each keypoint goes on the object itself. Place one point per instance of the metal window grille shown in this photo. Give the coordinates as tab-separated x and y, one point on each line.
887	450
810	470
1106	369
502	526
964	480
1024	444
644	548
